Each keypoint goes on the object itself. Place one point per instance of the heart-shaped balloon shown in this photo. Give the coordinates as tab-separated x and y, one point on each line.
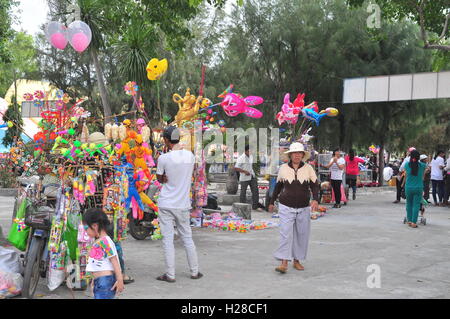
80	35
56	34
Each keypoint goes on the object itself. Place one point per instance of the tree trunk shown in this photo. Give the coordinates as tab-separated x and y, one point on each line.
101	85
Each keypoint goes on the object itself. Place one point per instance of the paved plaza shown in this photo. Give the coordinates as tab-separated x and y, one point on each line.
413	263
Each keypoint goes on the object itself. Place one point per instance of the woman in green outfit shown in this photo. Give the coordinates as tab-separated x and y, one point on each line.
414	187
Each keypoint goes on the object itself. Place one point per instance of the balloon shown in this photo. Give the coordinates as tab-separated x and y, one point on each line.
330	111
80	35
56	34
156	69
312	115
58	40
234	104
289	112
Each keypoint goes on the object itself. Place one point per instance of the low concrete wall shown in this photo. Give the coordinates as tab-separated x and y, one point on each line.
8	191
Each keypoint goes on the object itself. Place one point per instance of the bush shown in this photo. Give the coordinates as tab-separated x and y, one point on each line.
7	177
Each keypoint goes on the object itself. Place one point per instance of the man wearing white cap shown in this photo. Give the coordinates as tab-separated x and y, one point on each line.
295	181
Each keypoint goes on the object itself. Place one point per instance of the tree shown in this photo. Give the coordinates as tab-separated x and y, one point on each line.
431	15
21	65
110	20
5	28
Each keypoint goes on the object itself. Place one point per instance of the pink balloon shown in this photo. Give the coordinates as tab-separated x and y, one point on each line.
58	40
80	42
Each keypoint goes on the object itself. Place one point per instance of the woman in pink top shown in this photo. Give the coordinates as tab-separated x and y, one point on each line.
352	170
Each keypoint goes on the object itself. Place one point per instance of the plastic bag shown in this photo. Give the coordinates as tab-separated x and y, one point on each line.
55	278
10	261
19	238
10	284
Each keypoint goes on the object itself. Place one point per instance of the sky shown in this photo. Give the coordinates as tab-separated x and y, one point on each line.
31	14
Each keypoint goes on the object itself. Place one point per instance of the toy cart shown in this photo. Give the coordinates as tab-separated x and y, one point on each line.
422	220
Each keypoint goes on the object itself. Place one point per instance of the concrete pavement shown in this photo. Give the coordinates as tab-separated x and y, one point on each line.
413	263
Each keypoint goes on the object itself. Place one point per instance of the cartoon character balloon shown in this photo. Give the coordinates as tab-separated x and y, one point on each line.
235	104
290	111
80	35
330	112
156	68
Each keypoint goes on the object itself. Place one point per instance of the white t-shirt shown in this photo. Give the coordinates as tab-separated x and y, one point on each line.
102	250
388	172
336	173
178	166
246	163
436	171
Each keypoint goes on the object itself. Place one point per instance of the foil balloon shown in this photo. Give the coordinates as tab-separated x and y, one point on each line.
156	68
56	34
234	104
312	115
289	112
80	35
330	112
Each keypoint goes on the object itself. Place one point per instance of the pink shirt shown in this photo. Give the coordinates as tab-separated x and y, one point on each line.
352	166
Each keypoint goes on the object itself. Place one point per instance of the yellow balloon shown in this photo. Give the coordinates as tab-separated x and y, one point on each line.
156	68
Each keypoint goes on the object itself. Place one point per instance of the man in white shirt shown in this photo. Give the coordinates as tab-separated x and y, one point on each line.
336	166
174	171
437	178
244	165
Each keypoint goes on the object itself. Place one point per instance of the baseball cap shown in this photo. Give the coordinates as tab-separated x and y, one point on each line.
172	133
423	156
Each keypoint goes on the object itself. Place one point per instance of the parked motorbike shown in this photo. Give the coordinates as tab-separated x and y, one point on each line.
38	217
140	229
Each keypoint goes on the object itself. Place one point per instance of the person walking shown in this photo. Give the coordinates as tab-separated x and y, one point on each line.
437	178
352	170
426	178
247	177
447	182
415	171
174	171
295	182
336	166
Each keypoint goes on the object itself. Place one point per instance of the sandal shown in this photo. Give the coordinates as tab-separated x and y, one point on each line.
281	269
298	266
127	279
165	278
412	225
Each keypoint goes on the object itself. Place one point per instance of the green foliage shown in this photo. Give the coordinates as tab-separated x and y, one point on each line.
431	14
5	28
22	63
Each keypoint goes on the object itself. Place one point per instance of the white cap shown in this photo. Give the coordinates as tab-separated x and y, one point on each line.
423	156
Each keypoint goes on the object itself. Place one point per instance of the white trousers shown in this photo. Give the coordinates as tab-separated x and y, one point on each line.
295	226
168	218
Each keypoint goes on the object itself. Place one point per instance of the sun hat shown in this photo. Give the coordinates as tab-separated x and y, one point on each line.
298	147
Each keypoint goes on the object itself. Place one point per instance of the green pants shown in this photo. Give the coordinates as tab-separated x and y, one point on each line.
413	200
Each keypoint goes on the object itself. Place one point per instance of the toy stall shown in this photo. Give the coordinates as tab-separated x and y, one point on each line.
78	170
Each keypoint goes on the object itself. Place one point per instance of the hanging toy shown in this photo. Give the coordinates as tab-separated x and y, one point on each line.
55	235
91	177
